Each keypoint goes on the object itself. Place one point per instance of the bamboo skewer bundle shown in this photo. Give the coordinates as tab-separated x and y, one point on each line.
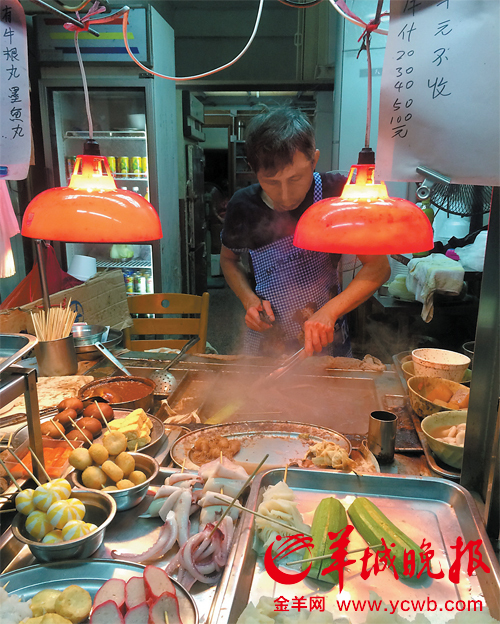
54	324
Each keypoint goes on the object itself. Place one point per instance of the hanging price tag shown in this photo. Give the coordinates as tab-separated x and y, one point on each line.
15	124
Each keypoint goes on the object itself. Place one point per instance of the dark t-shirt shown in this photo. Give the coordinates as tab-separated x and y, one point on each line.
250	223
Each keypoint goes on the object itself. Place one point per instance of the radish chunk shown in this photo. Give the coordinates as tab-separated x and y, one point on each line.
138	614
106	613
135	592
112	590
167	603
157	582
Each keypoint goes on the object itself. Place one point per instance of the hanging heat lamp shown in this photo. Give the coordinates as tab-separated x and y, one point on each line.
91	209
364	219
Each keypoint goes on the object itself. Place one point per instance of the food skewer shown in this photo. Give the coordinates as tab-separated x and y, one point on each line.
10	439
259	515
63	434
136	446
166	618
238	495
349	552
183	465
11	476
80	430
286	473
42	468
102	415
20	461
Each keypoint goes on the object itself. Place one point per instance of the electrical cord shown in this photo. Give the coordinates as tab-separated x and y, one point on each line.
85	87
351	17
205	74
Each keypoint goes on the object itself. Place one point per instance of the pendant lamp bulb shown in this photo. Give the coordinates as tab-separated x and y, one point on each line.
91	148
366	156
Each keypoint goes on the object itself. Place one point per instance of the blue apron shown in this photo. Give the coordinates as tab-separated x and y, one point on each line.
291	278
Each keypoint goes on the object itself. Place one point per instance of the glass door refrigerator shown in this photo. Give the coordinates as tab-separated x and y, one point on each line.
134	121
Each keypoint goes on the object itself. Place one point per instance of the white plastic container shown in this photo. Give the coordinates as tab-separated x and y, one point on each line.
440	363
82	267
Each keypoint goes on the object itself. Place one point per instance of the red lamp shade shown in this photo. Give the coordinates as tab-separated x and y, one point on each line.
364	220
91	209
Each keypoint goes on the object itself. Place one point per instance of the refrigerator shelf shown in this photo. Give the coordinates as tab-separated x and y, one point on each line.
123	264
106	134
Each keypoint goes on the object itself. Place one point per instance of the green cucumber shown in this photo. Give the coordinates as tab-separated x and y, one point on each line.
330	516
373	525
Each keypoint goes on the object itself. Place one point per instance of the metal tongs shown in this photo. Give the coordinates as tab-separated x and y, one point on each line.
288	364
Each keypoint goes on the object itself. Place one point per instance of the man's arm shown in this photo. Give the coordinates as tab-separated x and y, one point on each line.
237	280
319	328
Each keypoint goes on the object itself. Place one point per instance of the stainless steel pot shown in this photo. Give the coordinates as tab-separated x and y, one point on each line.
145	402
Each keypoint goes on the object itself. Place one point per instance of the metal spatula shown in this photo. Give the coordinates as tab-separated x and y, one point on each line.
165	381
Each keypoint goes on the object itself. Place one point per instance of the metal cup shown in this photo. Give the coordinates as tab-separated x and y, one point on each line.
382	428
56	357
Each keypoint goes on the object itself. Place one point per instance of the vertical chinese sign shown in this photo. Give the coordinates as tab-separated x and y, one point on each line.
440	92
15	125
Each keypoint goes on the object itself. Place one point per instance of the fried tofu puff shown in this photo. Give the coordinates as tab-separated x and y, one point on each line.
54	618
74	604
44	602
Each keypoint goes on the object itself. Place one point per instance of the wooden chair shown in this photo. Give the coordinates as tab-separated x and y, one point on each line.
168	304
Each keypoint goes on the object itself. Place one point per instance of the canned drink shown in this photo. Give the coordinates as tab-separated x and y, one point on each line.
112	164
129	281
144	165
140	283
123	166
136	165
149	283
70	165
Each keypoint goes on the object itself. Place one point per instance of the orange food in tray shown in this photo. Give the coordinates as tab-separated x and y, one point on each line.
55	459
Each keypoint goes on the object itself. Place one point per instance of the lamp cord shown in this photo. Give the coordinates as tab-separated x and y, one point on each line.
85	87
209	73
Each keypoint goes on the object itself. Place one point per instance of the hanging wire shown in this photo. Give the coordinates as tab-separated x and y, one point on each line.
205	74
351	17
85	87
73	9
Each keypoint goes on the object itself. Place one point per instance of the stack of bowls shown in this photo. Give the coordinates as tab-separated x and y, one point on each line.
440	363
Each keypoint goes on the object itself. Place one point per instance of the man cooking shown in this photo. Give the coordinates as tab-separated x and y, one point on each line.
298	294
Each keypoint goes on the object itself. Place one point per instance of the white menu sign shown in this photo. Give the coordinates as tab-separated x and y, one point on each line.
15	125
440	91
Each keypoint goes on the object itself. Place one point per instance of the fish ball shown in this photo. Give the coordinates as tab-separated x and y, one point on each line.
93	477
114	472
65	416
110	488
460	439
90	424
74	603
73	403
99	453
115	442
44	602
80	459
137	477
78	436
54	618
124	484
52	430
126	463
92	411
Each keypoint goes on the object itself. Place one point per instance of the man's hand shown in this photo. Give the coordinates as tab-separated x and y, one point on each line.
318	331
252	317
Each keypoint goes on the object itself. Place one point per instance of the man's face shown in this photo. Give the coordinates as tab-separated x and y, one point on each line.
287	187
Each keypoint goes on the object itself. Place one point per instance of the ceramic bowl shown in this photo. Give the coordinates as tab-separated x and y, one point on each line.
450	454
419	388
408	369
440	363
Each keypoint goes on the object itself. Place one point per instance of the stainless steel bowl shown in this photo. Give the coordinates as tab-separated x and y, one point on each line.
126	499
100	509
89	334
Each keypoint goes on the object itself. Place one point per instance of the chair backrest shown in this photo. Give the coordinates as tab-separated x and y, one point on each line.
175	307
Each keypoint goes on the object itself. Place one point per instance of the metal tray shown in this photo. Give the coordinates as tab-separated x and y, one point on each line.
115	336
157	432
430	508
89	574
13	347
285	442
127	531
